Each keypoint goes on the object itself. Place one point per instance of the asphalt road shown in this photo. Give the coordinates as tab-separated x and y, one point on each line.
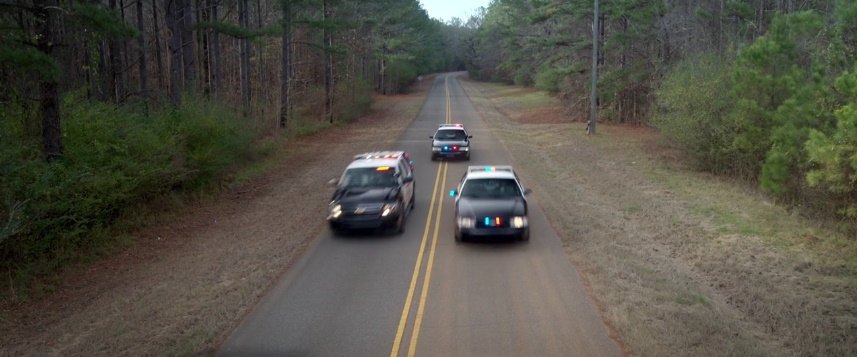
421	293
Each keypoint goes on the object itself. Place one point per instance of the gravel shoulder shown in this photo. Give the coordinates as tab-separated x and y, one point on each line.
680	262
185	283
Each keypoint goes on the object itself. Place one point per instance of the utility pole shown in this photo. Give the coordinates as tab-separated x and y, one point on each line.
594	100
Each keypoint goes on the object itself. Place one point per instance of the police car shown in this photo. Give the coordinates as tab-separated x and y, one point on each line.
450	141
376	190
490	202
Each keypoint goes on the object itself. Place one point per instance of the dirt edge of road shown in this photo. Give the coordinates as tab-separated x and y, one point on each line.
681	263
185	283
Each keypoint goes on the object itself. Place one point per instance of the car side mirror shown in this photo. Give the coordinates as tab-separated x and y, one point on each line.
407	179
431	137
527	191
470	136
453	193
332	182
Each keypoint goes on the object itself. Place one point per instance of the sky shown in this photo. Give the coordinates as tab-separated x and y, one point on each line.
445	10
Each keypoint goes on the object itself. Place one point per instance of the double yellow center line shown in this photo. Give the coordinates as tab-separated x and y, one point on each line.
436	197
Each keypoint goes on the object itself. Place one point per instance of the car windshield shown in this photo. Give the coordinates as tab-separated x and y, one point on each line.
369	177
450	135
490	188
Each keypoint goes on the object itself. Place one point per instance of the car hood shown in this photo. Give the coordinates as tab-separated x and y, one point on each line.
470	207
365	194
449	142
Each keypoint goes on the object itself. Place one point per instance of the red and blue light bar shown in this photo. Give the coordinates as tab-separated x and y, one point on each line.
493	221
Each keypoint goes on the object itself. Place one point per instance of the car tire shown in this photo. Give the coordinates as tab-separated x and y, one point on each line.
467	157
400	225
525	237
413	199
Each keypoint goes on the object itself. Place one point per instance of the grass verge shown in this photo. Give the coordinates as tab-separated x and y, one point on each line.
682	263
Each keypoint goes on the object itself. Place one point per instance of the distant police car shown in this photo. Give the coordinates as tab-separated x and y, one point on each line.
375	191
489	201
450	140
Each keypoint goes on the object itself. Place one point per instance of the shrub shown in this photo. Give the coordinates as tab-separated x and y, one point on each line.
835	155
694	106
115	159
780	81
548	79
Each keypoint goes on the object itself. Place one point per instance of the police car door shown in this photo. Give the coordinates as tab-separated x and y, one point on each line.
407	188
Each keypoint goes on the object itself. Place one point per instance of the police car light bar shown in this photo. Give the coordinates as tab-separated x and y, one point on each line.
506	168
378	155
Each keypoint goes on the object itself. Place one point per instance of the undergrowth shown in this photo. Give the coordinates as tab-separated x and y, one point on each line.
116	159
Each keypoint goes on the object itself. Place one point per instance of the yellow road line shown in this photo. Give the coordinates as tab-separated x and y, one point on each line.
440	178
400	331
418	319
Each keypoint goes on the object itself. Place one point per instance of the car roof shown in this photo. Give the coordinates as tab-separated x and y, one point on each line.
377	159
389	154
359	164
477	172
451	127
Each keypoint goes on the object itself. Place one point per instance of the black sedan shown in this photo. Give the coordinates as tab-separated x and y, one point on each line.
490	202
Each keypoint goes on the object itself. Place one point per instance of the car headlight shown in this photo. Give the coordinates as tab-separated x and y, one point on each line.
464	148
335	211
389	208
465	222
435	148
519	222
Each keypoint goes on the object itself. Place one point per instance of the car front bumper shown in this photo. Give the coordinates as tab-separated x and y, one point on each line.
492	232
347	222
458	153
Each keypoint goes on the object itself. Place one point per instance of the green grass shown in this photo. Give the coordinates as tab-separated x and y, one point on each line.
687	298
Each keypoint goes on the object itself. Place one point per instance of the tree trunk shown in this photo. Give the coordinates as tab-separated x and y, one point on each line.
382	68
96	71
46	22
175	46
328	63
215	47
188	54
124	62
286	65
244	54
114	58
204	15
157	37
261	54
141	43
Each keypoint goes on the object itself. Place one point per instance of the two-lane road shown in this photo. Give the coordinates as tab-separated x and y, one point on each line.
421	293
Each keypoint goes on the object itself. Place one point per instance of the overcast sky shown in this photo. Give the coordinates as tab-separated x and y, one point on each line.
446	9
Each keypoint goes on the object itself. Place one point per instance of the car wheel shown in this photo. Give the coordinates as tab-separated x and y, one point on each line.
413	200
337	232
467	157
400	224
525	236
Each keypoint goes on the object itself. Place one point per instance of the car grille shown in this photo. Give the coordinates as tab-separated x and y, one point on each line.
491	222
362	209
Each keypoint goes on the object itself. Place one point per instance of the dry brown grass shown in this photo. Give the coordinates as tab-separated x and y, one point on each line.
186	282
681	263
